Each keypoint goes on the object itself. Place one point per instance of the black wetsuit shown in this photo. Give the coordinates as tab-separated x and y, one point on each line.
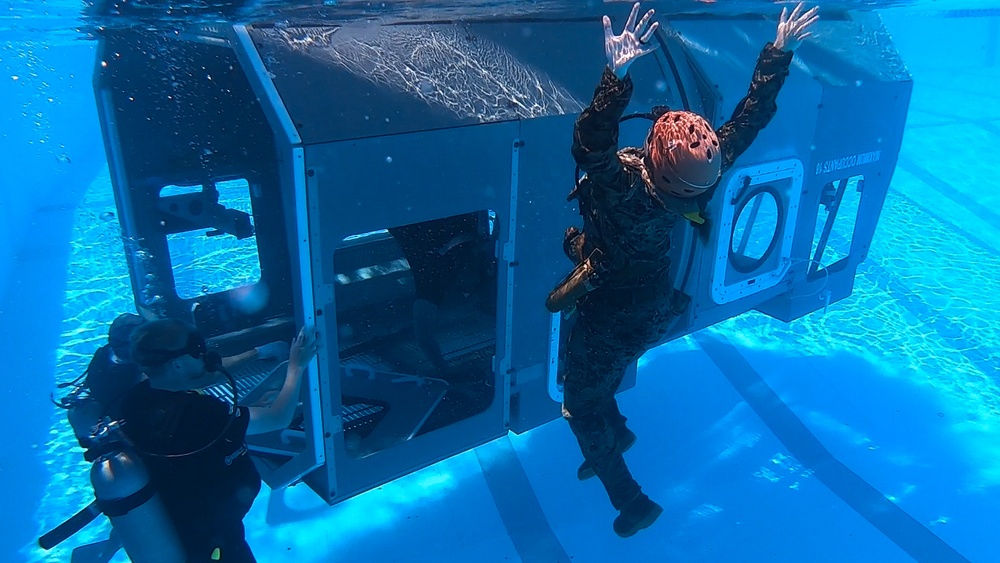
630	224
108	380
207	494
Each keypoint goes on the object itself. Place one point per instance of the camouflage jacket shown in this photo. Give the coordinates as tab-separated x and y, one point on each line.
623	215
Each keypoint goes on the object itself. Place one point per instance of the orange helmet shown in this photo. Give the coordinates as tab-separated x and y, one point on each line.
682	154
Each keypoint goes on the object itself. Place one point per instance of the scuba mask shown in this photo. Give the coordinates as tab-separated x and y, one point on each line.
195	347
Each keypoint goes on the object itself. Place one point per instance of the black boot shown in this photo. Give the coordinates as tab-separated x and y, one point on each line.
638	514
625	439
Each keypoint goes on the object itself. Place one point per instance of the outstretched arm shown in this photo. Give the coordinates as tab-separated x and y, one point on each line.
279	414
756	109
595	136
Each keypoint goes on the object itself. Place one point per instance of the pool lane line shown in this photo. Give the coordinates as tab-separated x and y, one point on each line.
944	188
950	331
518	505
895	524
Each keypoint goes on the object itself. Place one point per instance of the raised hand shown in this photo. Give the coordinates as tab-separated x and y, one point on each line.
633	43
793	29
303	348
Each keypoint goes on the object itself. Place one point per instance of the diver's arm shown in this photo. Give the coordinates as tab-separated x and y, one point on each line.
229	364
753	113
277	351
279	414
595	136
756	109
239	360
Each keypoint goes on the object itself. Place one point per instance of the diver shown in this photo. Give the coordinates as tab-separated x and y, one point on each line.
111	373
630	199
194	444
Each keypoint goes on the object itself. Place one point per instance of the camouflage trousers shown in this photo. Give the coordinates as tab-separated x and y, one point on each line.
614	327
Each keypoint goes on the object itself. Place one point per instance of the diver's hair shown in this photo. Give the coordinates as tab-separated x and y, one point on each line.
150	340
120	332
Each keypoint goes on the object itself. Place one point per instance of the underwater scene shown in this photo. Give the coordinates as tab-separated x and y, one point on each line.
500	280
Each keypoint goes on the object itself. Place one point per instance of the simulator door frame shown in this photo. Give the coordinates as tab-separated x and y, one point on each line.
366	185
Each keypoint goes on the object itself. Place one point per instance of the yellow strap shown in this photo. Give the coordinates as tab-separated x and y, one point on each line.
694	217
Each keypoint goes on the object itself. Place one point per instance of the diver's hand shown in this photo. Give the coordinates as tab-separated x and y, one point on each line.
303	349
633	43
792	29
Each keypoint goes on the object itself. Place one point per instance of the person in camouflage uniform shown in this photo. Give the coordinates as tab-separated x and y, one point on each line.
630	201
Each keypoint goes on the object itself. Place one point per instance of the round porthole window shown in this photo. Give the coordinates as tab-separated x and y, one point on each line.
757	228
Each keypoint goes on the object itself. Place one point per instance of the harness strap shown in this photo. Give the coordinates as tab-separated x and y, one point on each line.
122	506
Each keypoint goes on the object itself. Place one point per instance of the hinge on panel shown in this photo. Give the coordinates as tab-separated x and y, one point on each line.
508	252
323	295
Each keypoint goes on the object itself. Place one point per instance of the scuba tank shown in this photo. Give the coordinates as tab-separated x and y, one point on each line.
124	493
126	496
